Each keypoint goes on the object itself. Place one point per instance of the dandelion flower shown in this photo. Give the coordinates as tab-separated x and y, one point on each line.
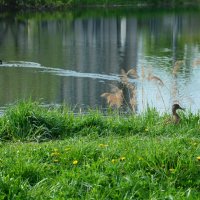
55	154
113	161
75	162
140	158
103	145
198	158
172	170
122	158
55	150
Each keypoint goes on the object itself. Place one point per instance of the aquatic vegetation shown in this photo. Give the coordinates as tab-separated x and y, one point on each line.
115	98
124	95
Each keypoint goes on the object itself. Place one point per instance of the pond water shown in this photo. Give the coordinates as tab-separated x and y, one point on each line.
151	57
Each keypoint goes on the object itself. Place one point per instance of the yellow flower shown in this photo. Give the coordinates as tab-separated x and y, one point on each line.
140	158
75	162
122	158
198	158
113	160
172	170
55	154
55	150
103	145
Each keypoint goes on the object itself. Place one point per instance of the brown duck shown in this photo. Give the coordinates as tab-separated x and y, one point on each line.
176	117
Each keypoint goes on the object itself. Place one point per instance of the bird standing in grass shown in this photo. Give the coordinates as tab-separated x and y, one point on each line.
176	117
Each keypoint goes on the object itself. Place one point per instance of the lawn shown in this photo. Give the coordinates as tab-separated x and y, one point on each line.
49	153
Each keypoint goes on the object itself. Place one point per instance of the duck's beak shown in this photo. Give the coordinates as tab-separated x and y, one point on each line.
182	108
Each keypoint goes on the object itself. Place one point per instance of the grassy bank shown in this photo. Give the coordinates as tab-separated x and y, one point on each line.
54	154
39	4
28	121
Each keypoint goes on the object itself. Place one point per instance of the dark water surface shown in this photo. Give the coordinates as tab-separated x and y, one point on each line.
73	57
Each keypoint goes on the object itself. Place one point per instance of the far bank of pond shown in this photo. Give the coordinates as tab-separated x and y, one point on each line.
47	4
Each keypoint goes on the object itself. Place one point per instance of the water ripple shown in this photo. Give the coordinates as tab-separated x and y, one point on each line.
59	71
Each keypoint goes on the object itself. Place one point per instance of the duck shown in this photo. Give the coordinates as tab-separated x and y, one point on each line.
176	117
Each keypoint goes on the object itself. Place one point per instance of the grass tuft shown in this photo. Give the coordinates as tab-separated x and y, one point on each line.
29	121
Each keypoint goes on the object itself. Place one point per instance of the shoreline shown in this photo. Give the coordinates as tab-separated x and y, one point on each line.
66	6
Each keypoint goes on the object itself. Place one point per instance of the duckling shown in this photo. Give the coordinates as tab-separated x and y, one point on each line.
176	117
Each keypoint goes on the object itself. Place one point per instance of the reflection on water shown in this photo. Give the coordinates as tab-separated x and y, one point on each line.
74	58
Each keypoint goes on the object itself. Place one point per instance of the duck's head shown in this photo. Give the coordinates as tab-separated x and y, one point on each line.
176	107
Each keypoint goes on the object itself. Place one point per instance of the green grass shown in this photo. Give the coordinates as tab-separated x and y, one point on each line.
28	121
54	154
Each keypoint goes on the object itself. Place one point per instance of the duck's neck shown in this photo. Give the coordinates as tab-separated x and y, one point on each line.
176	117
